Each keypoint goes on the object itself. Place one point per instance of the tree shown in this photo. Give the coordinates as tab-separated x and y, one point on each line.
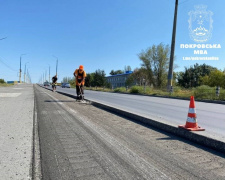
89	79
127	68
155	61
192	76
2	81
112	72
138	77
161	64
66	79
99	78
72	81
215	78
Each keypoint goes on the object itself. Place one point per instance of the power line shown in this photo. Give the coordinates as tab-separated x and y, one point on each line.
7	65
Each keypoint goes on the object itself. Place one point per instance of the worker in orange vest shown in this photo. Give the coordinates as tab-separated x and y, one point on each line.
80	75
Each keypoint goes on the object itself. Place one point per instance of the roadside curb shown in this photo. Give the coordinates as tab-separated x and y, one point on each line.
192	136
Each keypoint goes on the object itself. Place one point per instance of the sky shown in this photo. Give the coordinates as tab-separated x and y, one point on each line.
98	34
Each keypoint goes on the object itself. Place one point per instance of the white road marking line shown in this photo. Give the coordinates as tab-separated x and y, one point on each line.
9	94
17	88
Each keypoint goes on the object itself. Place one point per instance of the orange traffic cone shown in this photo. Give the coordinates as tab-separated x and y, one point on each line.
191	123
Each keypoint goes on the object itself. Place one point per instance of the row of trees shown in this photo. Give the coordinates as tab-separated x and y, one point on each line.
115	72
96	78
154	67
154	71
198	75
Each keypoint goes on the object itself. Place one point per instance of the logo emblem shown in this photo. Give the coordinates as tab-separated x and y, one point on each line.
200	24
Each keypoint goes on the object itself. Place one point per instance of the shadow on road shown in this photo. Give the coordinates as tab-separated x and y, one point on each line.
59	101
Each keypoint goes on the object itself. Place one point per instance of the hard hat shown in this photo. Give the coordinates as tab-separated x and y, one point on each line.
81	67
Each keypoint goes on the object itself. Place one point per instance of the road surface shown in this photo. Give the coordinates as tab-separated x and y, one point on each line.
170	111
80	141
16	131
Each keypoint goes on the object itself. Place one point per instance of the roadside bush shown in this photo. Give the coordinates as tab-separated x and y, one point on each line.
205	92
2	81
120	89
177	89
222	94
148	90
183	92
136	89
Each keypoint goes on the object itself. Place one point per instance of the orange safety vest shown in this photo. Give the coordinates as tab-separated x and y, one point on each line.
80	76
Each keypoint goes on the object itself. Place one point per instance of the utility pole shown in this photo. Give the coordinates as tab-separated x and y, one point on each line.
28	75
170	73
20	70
45	75
20	66
56	66
49	74
56	63
25	72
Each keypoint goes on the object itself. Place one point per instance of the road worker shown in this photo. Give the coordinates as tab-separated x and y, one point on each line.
54	81
80	75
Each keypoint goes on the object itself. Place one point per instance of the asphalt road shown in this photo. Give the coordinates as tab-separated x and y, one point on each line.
16	131
80	141
171	111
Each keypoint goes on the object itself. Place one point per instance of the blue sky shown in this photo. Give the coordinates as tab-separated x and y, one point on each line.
99	34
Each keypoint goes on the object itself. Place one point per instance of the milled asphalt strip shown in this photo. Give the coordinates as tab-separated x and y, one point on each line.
36	166
139	163
190	135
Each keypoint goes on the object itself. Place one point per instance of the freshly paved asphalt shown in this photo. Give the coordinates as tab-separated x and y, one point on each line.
170	111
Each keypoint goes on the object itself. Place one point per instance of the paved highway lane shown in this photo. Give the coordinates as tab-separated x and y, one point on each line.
16	130
80	141
171	111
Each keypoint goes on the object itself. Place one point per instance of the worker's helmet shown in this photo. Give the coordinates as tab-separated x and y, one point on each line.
81	67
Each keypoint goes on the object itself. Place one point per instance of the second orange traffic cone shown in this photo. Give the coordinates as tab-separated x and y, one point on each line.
191	123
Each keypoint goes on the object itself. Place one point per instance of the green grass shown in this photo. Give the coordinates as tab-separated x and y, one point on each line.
206	92
200	93
120	89
5	85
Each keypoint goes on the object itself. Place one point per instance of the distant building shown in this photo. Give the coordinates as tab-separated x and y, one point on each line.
118	80
13	82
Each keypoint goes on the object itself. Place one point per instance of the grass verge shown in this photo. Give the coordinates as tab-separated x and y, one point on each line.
200	93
